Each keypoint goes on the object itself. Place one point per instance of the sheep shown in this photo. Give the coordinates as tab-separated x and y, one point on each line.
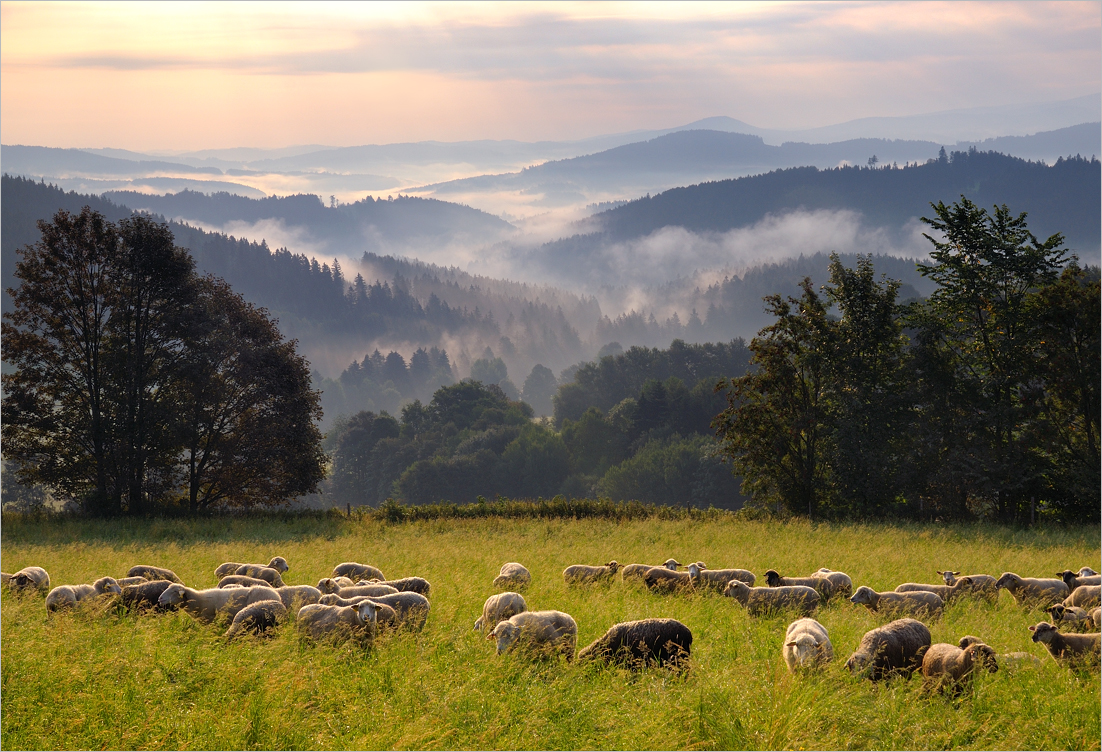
636	571
268	574
1086	572
303	595
1085	596
333	584
144	595
208	605
228	568
1096	617
917	603
30	578
1030	591
243	580
1008	661
982	584
513	575
66	596
1068	649
1075	618
716	579
404	585
154	573
370	590
893	649
337	623
806	645
358	571
822	585
582	573
635	644
257	618
412	609
537	632
952	669
841	582
124	581
947	593
660	579
499	608
1073	580
758	601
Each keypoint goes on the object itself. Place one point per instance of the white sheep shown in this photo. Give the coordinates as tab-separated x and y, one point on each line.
763	600
513	575
703	578
806	645
337	623
637	571
260	572
29	578
584	573
358	571
257	618
303	595
918	604
983	585
537	632
499	608
67	596
208	605
1030	591
1085	596
369	590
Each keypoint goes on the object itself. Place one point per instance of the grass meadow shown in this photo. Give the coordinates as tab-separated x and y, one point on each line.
95	678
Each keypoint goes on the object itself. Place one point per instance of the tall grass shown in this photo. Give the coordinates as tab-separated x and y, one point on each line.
98	678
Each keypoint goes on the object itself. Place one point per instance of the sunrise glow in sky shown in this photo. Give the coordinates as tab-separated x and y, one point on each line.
195	75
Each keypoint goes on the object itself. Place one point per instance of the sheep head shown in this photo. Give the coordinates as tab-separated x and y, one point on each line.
949	575
279	564
773	578
671	564
865	596
1007	579
506	634
738	590
173	595
983	656
1043	632
807	650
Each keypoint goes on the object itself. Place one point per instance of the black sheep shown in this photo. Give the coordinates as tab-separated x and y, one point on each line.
257	618
893	649
640	643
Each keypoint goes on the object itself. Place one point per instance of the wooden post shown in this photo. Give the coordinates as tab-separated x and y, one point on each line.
349	509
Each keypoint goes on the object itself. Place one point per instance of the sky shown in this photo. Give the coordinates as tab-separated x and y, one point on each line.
190	76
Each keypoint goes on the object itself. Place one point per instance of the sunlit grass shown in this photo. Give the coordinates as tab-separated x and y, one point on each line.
96	678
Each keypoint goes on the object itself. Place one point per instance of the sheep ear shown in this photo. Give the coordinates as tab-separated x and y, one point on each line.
1032	629
790	644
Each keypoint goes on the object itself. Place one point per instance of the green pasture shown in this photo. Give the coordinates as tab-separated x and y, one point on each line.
95	678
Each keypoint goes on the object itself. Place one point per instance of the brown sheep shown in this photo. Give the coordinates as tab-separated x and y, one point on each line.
762	601
823	586
635	644
982	584
662	580
1031	591
260	572
717	579
257	618
577	574
1073	580
153	573
949	668
636	571
1068	649
358	571
1085	596
144	595
947	593
917	604
404	585
894	649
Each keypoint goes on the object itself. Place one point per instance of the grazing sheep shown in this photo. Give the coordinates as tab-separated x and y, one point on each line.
636	571
1068	649
893	649
581	573
1085	596
369	590
243	581
513	575
124	581
29	578
537	632
1073	580
303	595
412	608
333	584
660	579
947	593
385	615
635	644
208	605
404	585
917	603
257	618
358	571
500	607
982	584
1031	591
339	623
1072	617
716	579
268	574
843	585
758	601
228	568
951	669
67	596
823	586
806	645
1096	617
153	573
144	594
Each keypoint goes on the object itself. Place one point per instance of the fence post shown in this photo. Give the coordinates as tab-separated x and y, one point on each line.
349	509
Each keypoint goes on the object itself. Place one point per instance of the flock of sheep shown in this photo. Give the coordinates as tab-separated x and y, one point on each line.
357	600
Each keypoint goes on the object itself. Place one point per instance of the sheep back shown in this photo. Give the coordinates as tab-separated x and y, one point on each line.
1033	591
303	595
1085	596
513	575
500	607
153	573
228	568
635	644
242	580
537	632
412	608
582	573
806	645
893	649
144	595
257	618
660	579
370	590
949	668
269	575
28	579
403	585
357	571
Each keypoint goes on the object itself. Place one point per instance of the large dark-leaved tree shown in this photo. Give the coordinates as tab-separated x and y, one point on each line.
136	386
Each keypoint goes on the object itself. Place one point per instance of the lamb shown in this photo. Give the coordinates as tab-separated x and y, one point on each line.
243	580
269	574
952	669
1073	580
303	595
30	578
843	585
893	649
208	605
369	590
758	601
982	584
806	645
1030	591
337	623
1085	596
67	596
636	571
947	593
144	594
822	585
660	579
500	607
257	618
1075	618
513	575
333	584
703	578
583	573
153	573
537	632
358	571
917	603
1068	649
404	585
635	644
